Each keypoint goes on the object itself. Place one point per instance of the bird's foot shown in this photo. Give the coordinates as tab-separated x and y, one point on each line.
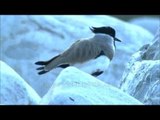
97	73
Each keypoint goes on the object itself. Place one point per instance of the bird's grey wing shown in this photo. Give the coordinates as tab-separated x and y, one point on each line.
82	51
100	54
49	63
62	60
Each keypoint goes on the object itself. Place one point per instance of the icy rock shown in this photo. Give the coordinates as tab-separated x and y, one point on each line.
75	87
141	78
14	90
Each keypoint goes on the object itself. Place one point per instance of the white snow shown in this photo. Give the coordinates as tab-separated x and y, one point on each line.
76	87
14	90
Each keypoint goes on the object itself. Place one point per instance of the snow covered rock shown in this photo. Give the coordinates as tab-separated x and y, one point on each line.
149	23
14	90
75	87
27	39
141	78
143	81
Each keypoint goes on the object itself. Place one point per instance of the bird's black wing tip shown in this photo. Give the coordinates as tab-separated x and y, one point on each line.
42	72
64	65
40	68
40	63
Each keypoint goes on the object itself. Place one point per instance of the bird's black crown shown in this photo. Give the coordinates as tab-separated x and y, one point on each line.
106	30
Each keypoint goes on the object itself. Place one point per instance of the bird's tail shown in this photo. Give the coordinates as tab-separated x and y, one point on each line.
43	64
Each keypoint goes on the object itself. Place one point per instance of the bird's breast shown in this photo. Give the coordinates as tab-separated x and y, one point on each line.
99	64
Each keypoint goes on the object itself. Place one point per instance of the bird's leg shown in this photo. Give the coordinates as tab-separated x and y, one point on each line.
97	73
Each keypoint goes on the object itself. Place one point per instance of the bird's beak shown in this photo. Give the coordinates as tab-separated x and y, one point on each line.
117	40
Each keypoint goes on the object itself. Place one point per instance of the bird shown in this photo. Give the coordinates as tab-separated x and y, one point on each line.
92	55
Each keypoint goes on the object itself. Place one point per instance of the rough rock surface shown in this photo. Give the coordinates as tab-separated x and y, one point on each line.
14	90
75	87
141	78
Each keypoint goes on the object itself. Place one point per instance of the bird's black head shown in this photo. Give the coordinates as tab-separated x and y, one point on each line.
105	30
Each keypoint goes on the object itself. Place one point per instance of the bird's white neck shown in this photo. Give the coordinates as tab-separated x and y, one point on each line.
105	40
